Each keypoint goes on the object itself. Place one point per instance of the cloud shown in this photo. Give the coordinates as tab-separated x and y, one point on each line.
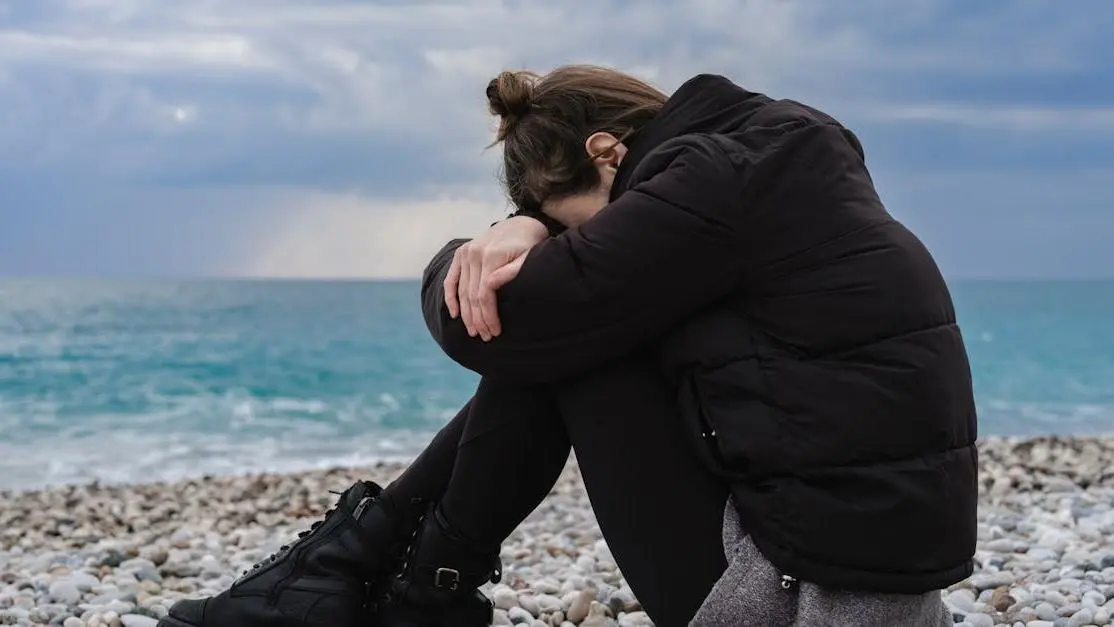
1001	116
359	127
349	236
295	75
979	224
134	54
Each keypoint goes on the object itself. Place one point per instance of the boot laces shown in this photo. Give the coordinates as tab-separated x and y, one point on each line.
301	536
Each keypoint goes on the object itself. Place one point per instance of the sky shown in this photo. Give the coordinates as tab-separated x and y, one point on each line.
332	138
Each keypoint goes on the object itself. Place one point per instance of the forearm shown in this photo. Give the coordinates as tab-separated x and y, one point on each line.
662	251
526	351
441	325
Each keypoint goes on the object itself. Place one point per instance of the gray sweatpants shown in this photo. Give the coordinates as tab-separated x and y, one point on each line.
750	593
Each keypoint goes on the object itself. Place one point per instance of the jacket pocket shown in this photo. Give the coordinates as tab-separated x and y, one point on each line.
734	424
699	428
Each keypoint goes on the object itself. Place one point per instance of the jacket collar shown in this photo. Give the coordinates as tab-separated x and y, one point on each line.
705	103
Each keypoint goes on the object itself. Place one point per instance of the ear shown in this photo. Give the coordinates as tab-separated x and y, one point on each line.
607	150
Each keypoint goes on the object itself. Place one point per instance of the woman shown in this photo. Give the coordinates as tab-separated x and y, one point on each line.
810	337
322	580
730	270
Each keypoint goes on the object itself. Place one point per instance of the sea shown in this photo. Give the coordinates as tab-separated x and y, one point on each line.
128	381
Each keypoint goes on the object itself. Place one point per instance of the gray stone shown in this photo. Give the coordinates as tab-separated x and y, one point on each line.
962	600
1068	609
84	581
578	611
1046	611
529	603
65	591
989	581
1081	618
547	603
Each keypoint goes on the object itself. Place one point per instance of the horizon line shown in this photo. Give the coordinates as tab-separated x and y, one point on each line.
414	279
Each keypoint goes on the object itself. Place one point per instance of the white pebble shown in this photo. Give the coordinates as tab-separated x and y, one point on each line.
504	598
65	591
962	600
1050	547
1081	618
529	603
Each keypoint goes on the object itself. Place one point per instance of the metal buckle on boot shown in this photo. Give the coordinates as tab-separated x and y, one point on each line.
447	578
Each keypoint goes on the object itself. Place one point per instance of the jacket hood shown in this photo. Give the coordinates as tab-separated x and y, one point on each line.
706	103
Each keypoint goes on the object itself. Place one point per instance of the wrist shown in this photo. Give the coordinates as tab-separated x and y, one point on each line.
551	227
531	224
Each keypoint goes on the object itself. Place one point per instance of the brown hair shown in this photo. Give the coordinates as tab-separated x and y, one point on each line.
545	119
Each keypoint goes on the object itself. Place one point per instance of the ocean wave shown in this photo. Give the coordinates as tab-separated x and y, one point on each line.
140	381
1017	418
130	449
135	455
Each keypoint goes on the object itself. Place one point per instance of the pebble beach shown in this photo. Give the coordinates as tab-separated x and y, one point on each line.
118	555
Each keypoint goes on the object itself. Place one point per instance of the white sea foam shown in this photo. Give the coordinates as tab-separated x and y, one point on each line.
143	455
167	446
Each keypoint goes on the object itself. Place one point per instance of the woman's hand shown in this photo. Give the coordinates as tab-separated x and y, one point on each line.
484	265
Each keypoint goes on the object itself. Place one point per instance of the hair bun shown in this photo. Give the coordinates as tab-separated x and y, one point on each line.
511	97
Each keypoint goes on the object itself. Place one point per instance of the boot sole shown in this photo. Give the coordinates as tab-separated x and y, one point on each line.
170	621
473	611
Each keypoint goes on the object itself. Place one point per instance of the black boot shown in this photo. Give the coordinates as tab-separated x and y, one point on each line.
438	585
321	580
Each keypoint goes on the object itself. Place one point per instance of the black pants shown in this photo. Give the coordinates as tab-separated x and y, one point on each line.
659	510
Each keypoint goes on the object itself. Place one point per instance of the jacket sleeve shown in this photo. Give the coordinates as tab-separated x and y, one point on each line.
436	314
663	250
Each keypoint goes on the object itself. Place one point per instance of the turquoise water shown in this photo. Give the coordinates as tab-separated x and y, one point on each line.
156	380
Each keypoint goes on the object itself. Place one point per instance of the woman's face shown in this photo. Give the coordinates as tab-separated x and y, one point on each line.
573	210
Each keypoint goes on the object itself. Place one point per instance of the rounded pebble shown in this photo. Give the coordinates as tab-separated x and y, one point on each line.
119	555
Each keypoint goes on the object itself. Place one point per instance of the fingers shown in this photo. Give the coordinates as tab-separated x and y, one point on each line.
477	272
505	274
451	284
476	276
470	278
485	301
463	294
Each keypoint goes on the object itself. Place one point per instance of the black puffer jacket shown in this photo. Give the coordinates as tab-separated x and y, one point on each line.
811	337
